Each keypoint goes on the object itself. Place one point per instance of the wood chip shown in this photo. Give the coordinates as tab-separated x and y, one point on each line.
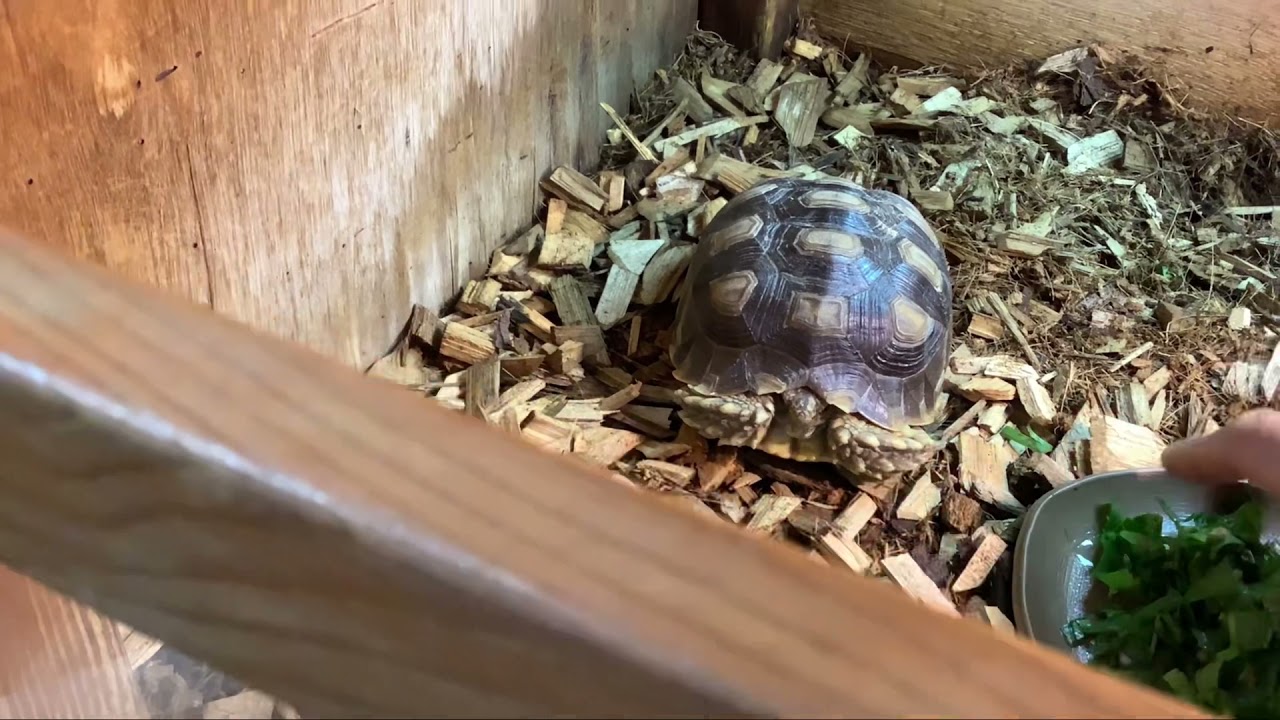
804	48
994	417
984	468
1094	152
1158	407
619	289
932	200
573	187
556	210
1271	376
1036	401
735	175
480	296
921	501
853	81
980	564
800	104
717	91
770	511
245	705
605	445
671	472
720	468
1132	404
571	301
908	576
1002	311
987	388
655	450
985	326
1022	245
634	255
660	277
1063	62
929	85
854	517
1051	470
849	554
1157	380
1137	353
483	382
1119	445
997	620
641	149
709	130
549	433
961	512
1240	318
695	104
963	422
521	366
591	337
466	344
621	398
1007	368
567	358
614	185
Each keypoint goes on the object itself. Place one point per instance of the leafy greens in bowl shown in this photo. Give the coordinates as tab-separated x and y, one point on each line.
1193	612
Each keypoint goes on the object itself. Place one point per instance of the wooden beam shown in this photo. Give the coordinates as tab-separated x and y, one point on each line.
759	27
1213	55
350	548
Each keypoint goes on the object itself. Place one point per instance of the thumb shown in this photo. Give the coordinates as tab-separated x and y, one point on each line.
1247	448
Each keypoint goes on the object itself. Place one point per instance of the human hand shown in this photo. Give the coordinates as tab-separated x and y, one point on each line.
1248	447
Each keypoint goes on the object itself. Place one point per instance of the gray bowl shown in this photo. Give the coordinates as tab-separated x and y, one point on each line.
1054	552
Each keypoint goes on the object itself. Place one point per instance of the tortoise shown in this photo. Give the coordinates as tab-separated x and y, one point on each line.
814	324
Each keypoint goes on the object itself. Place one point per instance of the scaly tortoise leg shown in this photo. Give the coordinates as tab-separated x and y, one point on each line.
869	451
731	419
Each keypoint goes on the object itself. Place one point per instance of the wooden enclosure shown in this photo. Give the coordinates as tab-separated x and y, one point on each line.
222	211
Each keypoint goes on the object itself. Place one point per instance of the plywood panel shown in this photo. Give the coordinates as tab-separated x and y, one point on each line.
60	659
310	167
1223	54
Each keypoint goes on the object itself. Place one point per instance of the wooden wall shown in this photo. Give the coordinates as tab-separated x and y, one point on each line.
1225	54
309	167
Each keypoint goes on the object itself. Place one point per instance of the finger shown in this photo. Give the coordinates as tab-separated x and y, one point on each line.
1247	448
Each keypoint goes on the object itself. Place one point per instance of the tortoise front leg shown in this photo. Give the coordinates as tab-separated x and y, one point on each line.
869	451
731	419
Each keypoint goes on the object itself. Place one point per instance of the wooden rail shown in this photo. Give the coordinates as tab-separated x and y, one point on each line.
351	548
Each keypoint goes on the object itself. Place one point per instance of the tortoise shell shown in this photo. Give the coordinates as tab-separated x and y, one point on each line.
819	284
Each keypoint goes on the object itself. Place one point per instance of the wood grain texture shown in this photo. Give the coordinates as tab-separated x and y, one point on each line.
1217	55
310	167
350	548
60	659
759	27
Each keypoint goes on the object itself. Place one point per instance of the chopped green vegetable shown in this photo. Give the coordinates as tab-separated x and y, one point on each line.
1028	440
1194	613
